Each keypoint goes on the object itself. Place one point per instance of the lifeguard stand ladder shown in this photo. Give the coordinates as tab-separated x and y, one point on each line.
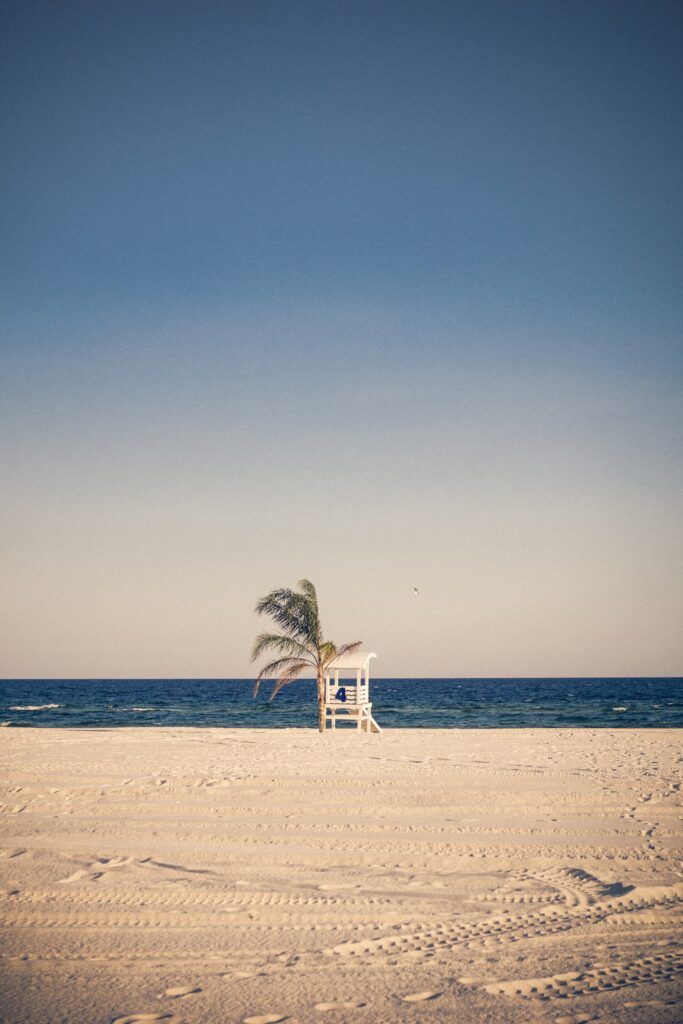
347	696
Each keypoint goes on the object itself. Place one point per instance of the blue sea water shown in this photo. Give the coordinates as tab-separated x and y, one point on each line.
397	703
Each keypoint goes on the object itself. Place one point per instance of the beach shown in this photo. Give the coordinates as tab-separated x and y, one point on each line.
219	875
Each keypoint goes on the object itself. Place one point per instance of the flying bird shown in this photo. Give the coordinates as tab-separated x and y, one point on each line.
416	592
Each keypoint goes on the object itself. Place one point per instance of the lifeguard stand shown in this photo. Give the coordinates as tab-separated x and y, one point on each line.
347	691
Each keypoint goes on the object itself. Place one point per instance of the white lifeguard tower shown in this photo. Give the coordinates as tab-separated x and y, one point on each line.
347	691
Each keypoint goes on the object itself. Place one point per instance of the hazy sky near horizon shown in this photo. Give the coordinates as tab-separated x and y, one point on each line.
385	295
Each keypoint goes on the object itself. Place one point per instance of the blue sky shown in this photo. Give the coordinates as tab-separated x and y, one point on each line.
383	295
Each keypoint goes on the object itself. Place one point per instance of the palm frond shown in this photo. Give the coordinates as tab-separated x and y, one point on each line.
278	667
278	605
312	615
278	642
348	648
329	651
279	596
295	613
326	652
288	677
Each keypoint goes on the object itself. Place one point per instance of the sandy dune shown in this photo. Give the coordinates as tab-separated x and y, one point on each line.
217	876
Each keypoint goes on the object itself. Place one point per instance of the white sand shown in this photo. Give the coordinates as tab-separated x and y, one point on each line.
422	875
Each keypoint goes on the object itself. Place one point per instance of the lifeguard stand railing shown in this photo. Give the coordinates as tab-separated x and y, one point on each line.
347	691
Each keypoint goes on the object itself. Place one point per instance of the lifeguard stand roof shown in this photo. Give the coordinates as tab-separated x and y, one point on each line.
356	660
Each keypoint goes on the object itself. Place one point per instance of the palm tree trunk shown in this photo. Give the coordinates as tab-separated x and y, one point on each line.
321	702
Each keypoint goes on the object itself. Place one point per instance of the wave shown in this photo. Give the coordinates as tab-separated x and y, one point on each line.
34	707
134	707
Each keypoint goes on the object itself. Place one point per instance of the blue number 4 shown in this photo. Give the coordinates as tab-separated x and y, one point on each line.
341	694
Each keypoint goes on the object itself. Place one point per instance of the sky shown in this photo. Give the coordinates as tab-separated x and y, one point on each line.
382	295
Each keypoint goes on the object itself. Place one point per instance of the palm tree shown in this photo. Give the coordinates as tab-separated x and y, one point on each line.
300	646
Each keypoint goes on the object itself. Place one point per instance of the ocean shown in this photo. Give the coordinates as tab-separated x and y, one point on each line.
397	703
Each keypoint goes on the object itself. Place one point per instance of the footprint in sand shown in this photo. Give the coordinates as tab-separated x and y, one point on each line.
181	990
339	1006
113	862
100	865
77	875
135	1017
266	1018
342	885
420	997
650	1002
